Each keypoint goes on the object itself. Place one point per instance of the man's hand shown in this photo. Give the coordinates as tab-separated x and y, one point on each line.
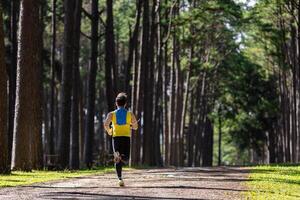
134	122
110	132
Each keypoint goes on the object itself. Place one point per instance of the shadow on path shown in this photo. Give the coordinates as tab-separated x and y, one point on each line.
148	187
106	196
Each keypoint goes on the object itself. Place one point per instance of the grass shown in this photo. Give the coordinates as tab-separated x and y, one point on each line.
18	178
274	182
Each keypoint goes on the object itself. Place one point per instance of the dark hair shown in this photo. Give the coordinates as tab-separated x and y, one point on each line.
121	99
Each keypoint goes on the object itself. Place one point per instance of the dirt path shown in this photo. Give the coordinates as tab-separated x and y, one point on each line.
185	183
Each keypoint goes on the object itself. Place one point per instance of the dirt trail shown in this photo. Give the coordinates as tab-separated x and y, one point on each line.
184	183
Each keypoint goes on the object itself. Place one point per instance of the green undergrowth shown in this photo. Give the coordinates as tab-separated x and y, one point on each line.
18	178
274	182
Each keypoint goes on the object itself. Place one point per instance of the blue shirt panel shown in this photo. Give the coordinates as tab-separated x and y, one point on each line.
121	116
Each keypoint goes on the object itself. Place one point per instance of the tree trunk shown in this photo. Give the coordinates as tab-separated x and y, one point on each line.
37	140
135	138
89	131
65	112
27	97
147	61
4	158
183	115
190	141
53	47
207	159
178	104
158	137
81	124
110	61
165	108
74	155
220	137
172	108
132	44
12	72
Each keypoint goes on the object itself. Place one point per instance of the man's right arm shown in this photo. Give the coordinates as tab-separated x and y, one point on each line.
107	123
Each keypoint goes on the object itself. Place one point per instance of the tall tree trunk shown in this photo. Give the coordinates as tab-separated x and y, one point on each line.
298	85
139	99
27	98
12	72
81	124
207	159
220	137
190	141
147	60
89	131
134	50
110	61
4	158
165	108
184	109
133	44
178	103
74	155
158	137
172	108
65	112
37	140
53	47
295	68
101	130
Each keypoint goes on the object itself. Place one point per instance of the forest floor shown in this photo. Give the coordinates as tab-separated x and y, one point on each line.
183	183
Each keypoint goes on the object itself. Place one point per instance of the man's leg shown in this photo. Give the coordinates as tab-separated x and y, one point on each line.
116	149
124	152
119	170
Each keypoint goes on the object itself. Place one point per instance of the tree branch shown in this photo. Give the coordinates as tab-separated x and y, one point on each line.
102	21
85	35
87	13
170	24
101	35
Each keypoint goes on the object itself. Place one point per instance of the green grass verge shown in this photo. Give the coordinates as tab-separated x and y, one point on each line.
17	178
274	182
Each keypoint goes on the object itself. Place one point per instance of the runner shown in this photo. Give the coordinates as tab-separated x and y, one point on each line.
122	122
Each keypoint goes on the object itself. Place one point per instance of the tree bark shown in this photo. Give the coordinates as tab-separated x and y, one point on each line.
208	144
65	112
53	47
27	98
12	72
38	91
220	138
4	158
110	61
89	132
158	137
133	44
74	155
147	60
134	100
165	108
184	110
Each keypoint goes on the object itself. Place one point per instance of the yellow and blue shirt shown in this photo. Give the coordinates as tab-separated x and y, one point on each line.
121	120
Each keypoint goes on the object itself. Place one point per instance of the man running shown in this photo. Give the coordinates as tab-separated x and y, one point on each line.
122	122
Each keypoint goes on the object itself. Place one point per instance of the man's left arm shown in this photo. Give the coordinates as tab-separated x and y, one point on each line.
134	122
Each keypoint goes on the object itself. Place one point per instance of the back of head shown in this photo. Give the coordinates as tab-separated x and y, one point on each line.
121	99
